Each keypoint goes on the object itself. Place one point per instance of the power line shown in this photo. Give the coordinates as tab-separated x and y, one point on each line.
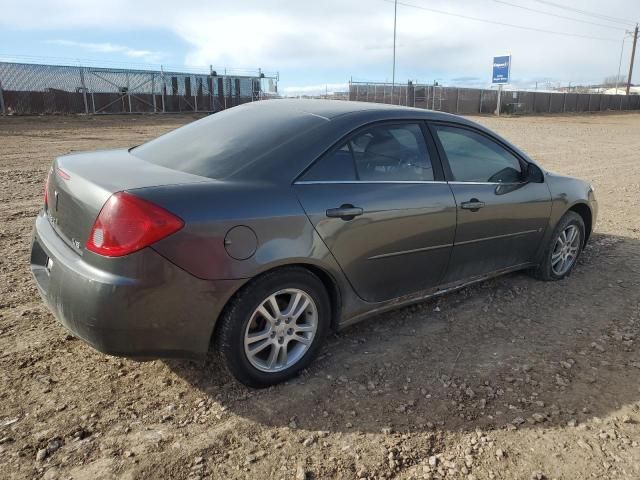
558	16
504	24
588	13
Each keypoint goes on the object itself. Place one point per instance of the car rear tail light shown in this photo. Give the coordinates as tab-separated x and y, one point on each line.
46	191
127	224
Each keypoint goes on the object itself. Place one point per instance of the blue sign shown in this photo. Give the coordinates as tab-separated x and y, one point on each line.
501	69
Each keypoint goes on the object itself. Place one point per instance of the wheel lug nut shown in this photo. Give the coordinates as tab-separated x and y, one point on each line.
290	331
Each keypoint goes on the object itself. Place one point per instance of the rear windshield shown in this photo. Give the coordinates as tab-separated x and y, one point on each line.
224	143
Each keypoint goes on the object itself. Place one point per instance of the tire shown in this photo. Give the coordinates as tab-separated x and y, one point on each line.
548	270
242	322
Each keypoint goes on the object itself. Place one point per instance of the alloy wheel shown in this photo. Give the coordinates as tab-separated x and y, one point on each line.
565	250
281	330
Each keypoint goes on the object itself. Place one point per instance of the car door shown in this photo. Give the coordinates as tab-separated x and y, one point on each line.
379	201
502	213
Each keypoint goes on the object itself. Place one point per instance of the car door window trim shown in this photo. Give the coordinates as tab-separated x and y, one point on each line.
462	182
324	182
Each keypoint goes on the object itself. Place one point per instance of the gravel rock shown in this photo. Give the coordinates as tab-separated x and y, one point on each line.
301	474
518	421
42	454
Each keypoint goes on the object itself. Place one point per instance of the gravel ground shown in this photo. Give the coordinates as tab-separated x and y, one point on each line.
509	379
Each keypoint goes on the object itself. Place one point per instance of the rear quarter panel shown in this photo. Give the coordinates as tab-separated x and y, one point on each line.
284	235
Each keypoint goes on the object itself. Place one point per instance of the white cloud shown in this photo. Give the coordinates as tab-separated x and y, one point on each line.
146	55
333	40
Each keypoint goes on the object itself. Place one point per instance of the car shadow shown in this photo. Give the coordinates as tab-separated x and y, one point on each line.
510	352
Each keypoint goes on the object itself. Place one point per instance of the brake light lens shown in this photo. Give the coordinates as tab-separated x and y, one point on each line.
46	191
127	224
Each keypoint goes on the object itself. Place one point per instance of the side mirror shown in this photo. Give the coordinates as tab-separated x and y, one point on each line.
533	174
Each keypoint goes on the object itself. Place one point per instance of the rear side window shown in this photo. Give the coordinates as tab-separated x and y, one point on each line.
226	142
475	158
335	166
380	153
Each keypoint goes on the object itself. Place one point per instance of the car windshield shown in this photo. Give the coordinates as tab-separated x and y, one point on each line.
224	143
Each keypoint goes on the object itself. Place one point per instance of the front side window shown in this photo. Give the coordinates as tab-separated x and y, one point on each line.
380	153
475	158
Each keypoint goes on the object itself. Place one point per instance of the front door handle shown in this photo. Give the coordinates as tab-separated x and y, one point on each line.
345	212
474	205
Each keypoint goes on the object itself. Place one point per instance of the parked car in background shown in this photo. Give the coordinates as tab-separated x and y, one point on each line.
260	229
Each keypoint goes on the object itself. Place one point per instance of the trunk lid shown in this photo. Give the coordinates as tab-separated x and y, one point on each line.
81	183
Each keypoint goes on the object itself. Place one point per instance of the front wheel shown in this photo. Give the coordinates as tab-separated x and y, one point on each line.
274	327
564	248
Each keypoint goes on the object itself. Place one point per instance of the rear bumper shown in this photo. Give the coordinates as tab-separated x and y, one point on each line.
140	306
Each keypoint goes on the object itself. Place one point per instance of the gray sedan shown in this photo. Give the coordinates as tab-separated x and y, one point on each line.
258	230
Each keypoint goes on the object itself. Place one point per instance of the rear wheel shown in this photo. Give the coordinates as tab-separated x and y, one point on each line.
274	327
564	248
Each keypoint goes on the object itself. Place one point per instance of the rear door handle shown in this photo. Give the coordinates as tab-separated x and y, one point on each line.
474	205
345	212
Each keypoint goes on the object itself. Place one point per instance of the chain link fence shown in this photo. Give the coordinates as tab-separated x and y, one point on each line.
474	100
45	89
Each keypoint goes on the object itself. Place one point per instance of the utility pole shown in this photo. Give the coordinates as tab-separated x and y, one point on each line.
395	16
633	54
626	32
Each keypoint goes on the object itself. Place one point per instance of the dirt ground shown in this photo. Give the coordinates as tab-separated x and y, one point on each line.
509	379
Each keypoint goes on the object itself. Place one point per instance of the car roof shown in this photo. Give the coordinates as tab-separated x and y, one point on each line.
330	109
273	139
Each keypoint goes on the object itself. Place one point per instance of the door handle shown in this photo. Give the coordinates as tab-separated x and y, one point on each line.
345	212
474	205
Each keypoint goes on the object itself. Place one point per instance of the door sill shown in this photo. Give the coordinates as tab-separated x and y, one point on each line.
371	309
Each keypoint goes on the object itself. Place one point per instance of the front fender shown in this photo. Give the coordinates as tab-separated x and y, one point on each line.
568	193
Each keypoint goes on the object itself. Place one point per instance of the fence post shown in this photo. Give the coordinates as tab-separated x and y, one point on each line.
4	112
84	91
195	95
480	105
564	103
534	102
153	91
128	93
162	88
457	100
550	100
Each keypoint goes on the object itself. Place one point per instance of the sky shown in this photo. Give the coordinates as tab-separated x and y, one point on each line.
319	45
